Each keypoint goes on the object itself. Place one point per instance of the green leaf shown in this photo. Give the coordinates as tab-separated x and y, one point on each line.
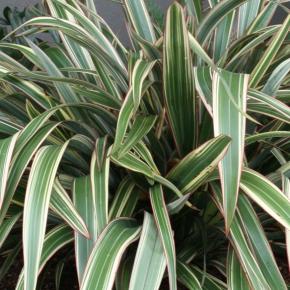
91	28
264	17
83	200
41	178
140	19
187	277
199	51
101	268
260	244
140	72
247	14
125	200
229	102
132	101
62	205
260	137
236	277
6	151
194	8
276	78
214	17
178	80
140	128
266	195
100	166
20	161
6	227
164	228
203	83
209	282
267	58
267	105
54	240
198	165
242	248
150	262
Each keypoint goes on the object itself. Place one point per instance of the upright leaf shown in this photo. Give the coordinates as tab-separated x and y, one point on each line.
229	106
83	200
150	262
236	276
38	191
100	165
166	235
178	80
6	151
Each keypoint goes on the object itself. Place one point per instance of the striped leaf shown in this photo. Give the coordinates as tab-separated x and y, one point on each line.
260	137
178	80
242	248
140	128
264	17
260	244
54	240
63	206
194	8
214	17
83	200
267	58
93	30
140	71
140	19
235	275
164	228
266	195
269	106
203	83
187	277
198	165
131	102
150	262
41	177
229	103
209	282
247	14
6	151
101	268
100	166
20	162
125	200
6	227
276	78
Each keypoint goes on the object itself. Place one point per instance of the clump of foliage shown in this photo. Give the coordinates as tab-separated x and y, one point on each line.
168	161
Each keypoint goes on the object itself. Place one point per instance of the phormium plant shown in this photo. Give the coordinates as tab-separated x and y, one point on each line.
165	161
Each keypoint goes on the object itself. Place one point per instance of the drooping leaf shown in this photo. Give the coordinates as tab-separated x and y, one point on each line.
198	165
267	58
266	195
101	268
